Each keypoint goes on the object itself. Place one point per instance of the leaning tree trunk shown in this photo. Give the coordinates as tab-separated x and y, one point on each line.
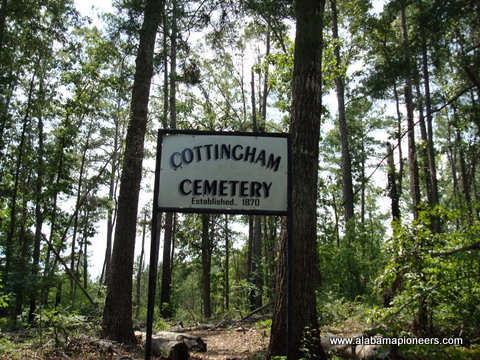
305	130
117	315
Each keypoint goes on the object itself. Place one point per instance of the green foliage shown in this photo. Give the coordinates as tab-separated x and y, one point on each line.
9	348
160	324
439	352
264	324
4	298
424	268
338	312
61	324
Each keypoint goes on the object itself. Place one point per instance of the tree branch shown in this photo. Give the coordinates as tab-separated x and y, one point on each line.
474	246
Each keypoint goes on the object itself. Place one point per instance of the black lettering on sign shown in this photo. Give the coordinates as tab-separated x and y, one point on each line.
223	188
236	152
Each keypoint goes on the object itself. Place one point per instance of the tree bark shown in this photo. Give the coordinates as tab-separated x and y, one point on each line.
347	183
206	265
117	315
165	308
77	213
39	217
138	285
412	151
9	248
305	130
392	184
227	265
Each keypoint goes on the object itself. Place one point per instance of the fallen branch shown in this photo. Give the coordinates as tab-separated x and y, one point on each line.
250	314
221	323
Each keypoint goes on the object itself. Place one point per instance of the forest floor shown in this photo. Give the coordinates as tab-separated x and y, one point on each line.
233	344
249	343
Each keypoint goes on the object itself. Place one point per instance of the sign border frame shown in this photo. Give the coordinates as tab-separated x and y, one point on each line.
196	210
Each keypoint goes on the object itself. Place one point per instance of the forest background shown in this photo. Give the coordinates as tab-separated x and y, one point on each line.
398	197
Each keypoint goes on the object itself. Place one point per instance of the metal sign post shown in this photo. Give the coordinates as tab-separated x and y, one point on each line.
220	172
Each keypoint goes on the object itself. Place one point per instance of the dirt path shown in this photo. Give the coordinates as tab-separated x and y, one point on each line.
231	344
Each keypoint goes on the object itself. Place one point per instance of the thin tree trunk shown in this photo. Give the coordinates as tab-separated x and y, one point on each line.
117	315
9	249
255	276
165	308
412	151
399	140
254	106
347	183
75	220
392	184
165	295
140	269
23	258
227	265
423	150
85	259
110	224
38	220
165	68
265	84
363	182
112	197
206	265
255	241
432	167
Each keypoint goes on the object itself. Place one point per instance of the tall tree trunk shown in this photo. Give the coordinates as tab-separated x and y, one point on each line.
363	182
206	265
227	265
392	184
39	217
23	258
423	150
432	166
9	250
85	258
347	183
77	213
399	137
49	269
110	223
165	68
254	278
117	315
165	308
412	151
140	268
112	197
305	130
265	84
165	295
